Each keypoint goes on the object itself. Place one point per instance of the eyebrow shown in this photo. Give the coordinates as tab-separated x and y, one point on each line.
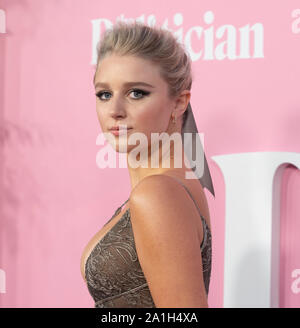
126	84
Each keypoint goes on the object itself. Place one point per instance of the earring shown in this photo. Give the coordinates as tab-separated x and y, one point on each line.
174	119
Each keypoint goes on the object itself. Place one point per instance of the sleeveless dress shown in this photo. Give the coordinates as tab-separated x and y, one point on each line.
113	273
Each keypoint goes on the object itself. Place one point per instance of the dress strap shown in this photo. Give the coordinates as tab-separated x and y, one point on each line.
118	210
124	203
188	193
204	224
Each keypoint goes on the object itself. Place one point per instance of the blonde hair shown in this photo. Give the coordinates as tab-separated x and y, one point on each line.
152	43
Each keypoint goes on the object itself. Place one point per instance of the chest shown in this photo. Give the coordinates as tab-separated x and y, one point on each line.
99	236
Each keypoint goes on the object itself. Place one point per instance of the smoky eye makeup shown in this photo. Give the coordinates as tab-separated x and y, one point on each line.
140	91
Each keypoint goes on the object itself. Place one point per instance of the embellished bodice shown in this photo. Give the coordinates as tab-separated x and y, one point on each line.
113	272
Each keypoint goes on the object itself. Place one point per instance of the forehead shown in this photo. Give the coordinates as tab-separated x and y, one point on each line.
127	68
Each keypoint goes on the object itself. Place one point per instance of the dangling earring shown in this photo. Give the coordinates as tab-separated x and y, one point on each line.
174	119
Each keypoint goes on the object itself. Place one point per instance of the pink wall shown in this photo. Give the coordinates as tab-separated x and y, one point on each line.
54	197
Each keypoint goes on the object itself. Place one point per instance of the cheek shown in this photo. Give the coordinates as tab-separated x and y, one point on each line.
154	118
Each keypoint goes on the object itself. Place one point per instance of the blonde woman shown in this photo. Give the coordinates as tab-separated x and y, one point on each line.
155	251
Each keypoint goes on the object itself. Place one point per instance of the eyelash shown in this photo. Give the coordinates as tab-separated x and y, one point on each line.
144	93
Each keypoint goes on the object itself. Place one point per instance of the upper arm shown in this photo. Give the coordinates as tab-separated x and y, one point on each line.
167	244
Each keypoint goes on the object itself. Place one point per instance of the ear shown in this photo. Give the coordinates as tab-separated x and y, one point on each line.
182	102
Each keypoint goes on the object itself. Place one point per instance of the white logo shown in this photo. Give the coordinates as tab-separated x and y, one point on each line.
295	287
210	42
296	22
2	282
252	226
2	21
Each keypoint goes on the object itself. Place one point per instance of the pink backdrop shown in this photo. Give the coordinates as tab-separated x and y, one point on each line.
54	197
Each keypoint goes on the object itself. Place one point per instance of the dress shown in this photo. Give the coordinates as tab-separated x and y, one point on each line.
113	273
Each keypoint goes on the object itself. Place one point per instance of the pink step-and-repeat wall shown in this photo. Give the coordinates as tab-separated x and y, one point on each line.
246	101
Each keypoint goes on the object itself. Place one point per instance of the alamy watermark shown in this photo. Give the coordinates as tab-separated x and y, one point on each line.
190	150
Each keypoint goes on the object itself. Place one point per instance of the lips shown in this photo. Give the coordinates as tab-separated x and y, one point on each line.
119	128
118	132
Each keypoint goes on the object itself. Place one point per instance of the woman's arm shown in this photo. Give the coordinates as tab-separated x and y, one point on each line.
164	220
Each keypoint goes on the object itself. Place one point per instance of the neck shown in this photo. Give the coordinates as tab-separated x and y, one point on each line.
158	158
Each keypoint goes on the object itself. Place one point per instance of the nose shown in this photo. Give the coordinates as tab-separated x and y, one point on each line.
117	108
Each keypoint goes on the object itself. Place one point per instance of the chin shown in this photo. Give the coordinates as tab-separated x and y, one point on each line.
122	147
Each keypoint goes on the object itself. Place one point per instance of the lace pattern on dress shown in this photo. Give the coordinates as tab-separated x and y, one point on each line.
113	272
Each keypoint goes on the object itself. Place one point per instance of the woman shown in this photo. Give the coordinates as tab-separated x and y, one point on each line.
155	251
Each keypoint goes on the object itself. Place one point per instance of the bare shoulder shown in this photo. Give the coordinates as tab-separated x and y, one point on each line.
163	220
153	187
162	195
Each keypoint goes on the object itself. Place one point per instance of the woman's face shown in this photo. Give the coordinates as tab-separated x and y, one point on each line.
123	100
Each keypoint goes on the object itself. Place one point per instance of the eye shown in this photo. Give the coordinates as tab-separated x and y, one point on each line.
135	91
142	92
99	95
